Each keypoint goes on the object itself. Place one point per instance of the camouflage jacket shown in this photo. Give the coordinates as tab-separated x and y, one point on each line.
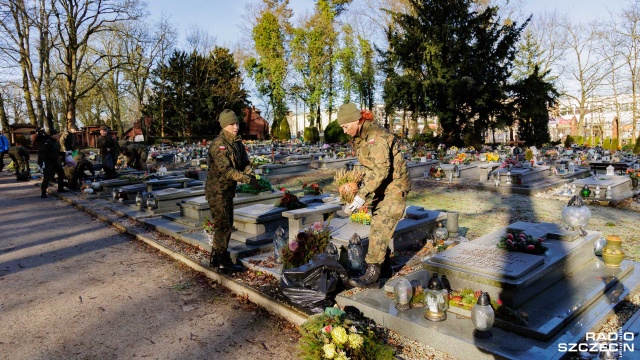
386	168
228	163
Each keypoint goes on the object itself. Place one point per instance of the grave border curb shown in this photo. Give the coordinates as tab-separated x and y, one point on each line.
287	312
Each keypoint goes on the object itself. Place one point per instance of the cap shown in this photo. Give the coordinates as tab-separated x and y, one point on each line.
104	127
348	113
227	117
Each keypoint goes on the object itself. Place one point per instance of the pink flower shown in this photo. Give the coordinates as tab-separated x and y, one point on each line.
510	236
317	226
327	329
509	241
499	302
293	246
522	236
283	189
530	247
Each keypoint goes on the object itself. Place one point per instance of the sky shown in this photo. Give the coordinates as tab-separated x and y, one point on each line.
222	18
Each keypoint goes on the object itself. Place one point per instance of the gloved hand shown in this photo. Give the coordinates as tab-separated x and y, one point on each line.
254	182
355	205
41	167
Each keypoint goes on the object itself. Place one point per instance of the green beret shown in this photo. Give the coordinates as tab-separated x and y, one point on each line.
227	117
348	113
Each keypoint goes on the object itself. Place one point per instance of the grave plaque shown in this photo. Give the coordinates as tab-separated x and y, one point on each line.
489	260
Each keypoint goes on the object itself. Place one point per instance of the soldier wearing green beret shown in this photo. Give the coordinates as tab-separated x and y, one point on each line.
385	184
228	164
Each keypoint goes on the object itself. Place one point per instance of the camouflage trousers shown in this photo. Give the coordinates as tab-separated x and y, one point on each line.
386	213
221	207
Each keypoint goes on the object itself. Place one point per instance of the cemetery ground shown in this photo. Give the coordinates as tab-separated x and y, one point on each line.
72	285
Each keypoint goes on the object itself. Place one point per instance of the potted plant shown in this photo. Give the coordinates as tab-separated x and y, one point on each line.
348	182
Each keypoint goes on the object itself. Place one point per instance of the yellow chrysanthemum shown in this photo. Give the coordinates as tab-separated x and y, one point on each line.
339	335
355	341
342	356
329	351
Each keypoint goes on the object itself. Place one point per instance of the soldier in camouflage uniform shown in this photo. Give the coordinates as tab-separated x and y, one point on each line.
136	154
385	184
20	157
228	164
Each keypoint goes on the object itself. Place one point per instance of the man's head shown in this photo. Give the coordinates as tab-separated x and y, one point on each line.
349	119
54	134
229	121
103	130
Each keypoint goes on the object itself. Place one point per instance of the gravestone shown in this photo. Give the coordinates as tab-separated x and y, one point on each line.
565	292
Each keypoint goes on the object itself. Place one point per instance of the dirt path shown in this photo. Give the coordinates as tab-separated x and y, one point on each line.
73	288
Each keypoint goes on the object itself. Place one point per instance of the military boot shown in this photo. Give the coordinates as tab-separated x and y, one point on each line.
369	279
222	262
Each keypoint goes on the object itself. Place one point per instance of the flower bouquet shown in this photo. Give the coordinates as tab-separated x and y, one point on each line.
362	216
192	174
509	162
522	243
289	201
259	160
335	337
633	174
467	298
265	185
311	189
209	230
437	172
306	245
491	157
460	159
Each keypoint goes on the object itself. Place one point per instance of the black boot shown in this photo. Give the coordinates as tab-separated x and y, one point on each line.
222	262
369	279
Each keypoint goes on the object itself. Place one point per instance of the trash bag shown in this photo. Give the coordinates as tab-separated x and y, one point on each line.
315	284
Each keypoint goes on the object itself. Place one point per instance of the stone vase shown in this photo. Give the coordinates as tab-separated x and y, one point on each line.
612	253
634	183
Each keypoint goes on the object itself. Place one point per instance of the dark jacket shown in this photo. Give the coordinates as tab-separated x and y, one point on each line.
49	153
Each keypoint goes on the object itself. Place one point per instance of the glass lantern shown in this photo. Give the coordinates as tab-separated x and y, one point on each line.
576	215
279	243
139	200
483	316
585	192
356	253
332	250
436	300
122	196
440	233
402	294
114	194
152	202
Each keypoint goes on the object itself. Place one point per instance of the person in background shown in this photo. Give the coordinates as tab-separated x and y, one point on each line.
228	164
68	141
20	157
4	148
385	184
49	160
109	152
